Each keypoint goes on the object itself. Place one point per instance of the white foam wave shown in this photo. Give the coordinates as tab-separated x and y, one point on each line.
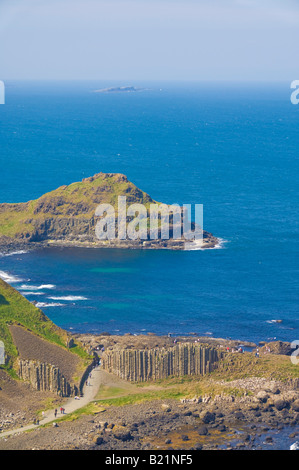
31	293
197	245
295	446
46	304
42	286
68	297
9	277
19	252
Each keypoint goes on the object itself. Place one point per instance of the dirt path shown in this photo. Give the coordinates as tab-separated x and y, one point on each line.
89	393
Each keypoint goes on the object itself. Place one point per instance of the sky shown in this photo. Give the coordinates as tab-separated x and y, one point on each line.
200	40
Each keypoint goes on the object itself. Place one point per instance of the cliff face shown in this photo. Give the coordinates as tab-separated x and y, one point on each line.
67	216
154	364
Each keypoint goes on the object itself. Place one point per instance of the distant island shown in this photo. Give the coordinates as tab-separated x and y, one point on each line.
66	217
120	89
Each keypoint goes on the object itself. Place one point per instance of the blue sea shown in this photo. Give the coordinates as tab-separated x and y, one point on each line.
231	147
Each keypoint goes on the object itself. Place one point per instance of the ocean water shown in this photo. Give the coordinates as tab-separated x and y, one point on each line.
231	147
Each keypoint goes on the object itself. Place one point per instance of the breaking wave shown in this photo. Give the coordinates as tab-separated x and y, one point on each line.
68	297
46	304
9	277
19	252
32	288
197	245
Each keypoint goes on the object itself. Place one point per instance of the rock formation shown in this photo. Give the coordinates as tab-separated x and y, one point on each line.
154	364
66	216
45	377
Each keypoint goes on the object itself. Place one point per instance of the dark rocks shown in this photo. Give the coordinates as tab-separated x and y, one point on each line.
98	440
197	447
203	431
123	435
208	417
262	396
280	405
239	415
295	405
184	437
222	428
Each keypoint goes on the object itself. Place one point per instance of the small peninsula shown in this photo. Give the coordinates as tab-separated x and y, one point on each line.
66	217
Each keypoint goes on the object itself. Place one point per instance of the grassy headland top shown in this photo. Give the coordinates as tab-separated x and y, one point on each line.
67	215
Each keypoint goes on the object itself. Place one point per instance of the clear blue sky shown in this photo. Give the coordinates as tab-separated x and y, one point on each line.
149	39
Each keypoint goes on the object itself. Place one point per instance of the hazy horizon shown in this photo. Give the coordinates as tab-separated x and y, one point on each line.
149	40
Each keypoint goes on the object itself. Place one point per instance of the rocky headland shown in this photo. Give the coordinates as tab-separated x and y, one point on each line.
66	217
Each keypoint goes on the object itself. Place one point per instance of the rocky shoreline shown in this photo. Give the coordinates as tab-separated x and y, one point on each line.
201	423
241	405
9	245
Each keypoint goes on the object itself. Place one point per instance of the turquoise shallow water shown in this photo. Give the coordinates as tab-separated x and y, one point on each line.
232	148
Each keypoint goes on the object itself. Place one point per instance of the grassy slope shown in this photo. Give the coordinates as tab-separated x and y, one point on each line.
15	309
77	200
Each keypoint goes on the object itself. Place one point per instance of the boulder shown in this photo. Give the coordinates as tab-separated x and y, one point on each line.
166	408
123	436
98	440
262	396
203	431
295	405
280	404
207	417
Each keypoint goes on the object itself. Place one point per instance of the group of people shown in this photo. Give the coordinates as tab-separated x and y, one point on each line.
62	410
234	350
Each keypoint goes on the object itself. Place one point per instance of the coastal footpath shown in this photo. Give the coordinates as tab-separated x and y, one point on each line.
245	403
149	392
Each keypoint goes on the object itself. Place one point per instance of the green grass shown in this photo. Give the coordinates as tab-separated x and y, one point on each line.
111	392
15	309
271	366
143	397
78	200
